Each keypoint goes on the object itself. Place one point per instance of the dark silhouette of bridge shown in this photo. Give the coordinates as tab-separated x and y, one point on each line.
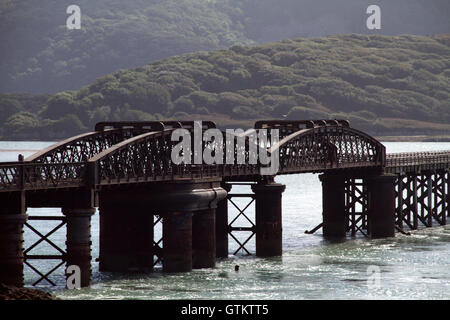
125	170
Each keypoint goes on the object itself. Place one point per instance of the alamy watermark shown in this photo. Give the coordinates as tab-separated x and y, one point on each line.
73	280
73	22
262	147
373	277
374	20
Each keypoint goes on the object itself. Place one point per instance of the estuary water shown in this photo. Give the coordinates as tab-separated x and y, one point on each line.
404	267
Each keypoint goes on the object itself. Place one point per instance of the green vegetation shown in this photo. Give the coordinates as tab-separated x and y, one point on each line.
383	85
39	54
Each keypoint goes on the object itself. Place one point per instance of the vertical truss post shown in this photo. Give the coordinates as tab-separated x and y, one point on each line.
356	206
447	198
440	195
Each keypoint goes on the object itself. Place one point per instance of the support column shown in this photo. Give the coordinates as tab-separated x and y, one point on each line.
204	239
12	219
126	236
222	225
177	242
78	241
333	205
268	219
381	213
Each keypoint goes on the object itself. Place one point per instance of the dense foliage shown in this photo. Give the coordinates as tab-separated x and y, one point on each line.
382	84
39	55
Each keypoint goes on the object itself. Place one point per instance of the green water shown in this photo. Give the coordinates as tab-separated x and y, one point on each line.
410	267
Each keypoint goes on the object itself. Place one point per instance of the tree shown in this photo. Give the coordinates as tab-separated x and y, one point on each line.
59	106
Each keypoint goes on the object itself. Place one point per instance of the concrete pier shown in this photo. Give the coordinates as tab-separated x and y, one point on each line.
381	213
268	218
204	239
12	219
126	226
177	242
78	241
126	234
333	206
222	225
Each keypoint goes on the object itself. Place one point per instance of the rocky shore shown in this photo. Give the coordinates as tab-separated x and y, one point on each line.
14	293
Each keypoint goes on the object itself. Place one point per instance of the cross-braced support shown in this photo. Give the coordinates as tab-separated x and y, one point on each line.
356	206
157	242
250	230
422	198
266	226
61	257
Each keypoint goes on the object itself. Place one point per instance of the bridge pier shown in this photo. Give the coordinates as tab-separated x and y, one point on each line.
78	241
381	211
204	239
177	242
126	234
333	206
188	212
222	225
12	219
268	218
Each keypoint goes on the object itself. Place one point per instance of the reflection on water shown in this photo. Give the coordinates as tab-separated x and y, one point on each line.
411	267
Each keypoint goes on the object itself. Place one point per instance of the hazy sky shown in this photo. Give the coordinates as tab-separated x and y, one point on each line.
314	18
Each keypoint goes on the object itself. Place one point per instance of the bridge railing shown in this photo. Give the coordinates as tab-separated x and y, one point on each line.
417	158
15	176
148	157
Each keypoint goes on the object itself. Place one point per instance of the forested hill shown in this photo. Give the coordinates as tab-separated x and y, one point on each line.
382	84
38	54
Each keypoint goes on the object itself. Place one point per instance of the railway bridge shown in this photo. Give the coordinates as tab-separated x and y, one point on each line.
126	170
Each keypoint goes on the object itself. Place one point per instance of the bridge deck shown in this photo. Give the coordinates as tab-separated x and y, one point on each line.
415	162
129	153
